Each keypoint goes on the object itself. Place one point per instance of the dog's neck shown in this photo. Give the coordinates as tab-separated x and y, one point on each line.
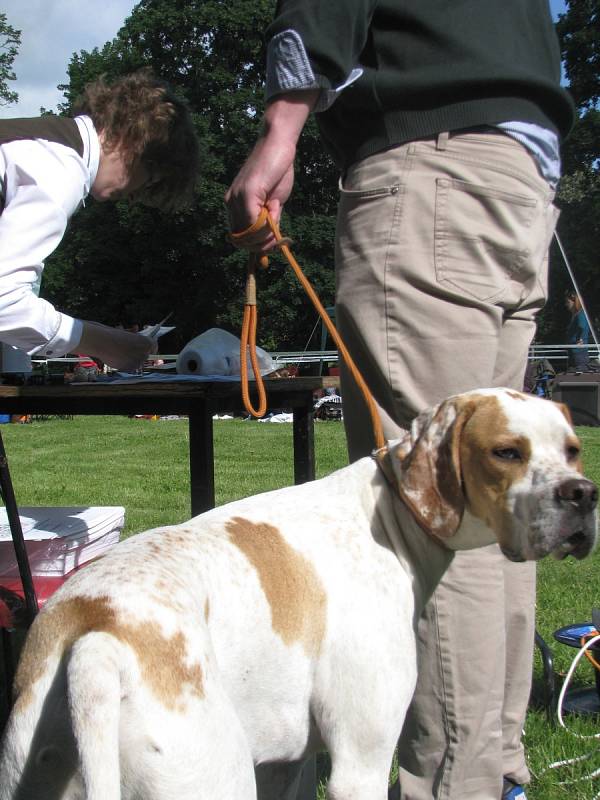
394	527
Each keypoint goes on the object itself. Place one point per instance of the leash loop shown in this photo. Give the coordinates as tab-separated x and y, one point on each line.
248	345
248	338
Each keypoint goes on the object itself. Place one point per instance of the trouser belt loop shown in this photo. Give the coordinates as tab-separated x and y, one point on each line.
442	140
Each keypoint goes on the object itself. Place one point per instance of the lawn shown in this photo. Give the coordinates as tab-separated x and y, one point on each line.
143	465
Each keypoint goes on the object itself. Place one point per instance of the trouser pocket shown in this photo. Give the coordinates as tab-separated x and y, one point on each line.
483	238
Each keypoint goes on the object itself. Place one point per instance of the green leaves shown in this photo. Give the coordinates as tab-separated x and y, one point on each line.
579	32
133	263
10	40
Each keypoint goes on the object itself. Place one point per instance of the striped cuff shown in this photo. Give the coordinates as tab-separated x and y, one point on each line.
289	70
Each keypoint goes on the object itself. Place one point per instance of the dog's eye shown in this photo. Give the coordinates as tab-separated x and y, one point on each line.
573	453
508	454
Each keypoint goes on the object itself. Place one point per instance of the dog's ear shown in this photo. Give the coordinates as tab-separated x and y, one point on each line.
566	412
427	468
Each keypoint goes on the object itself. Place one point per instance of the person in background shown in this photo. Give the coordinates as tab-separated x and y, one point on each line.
133	139
444	120
578	333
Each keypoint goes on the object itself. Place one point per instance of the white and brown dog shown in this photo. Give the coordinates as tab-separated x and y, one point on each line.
199	660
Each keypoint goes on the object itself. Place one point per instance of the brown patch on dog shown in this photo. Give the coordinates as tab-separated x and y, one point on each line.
292	587
206	609
565	411
486	477
517	396
162	660
572	440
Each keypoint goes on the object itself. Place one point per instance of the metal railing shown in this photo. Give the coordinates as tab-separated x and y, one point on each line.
559	352
536	352
553	352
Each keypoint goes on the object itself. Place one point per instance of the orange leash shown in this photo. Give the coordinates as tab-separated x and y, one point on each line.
248	338
248	343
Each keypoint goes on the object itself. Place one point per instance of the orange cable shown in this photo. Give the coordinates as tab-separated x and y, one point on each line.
588	653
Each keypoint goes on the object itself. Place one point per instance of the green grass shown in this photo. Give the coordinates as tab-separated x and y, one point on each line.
143	466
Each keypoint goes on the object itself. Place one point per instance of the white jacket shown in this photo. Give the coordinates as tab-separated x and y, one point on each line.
44	184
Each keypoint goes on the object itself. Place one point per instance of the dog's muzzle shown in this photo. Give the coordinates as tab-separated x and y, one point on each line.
577	499
567	526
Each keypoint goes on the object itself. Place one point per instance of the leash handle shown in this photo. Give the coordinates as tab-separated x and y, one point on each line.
264	218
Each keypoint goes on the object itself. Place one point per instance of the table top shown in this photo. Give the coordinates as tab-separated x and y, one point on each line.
111	397
147	386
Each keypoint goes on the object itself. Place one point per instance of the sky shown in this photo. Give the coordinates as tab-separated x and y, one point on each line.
52	30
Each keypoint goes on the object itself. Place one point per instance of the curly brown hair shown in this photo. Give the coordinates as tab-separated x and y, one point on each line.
142	116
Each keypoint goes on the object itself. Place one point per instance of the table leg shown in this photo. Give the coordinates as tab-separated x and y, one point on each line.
14	522
202	470
304	442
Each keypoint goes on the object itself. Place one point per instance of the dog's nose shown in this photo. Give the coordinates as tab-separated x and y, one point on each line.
578	492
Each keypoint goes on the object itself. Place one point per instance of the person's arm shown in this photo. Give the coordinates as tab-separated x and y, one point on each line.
584	333
267	176
31	227
45	184
312	56
119	349
312	44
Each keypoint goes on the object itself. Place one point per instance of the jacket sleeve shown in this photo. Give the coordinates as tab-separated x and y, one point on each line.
316	44
31	227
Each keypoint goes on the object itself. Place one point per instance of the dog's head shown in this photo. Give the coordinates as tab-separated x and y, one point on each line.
497	465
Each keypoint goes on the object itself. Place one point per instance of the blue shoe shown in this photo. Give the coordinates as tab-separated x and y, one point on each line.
513	791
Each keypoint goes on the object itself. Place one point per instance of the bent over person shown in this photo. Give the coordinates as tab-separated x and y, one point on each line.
133	140
445	121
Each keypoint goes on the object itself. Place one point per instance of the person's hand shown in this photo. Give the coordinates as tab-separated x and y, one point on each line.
119	349
267	177
265	180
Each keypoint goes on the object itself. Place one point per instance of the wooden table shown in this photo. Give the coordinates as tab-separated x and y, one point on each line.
199	401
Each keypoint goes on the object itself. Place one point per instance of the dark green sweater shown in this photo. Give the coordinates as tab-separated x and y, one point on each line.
429	66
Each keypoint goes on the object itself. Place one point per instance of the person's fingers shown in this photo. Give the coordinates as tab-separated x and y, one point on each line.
257	245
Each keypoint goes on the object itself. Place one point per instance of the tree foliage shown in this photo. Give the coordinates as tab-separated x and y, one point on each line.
10	41
579	32
124	264
579	191
120	263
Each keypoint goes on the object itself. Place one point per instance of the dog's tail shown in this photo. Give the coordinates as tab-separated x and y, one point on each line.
54	749
94	692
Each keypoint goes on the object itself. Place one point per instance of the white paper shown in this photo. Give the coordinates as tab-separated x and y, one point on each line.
154	331
58	539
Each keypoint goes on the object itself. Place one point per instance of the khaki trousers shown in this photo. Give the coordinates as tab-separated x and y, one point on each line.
441	264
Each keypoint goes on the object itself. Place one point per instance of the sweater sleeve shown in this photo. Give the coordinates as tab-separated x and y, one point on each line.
317	45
